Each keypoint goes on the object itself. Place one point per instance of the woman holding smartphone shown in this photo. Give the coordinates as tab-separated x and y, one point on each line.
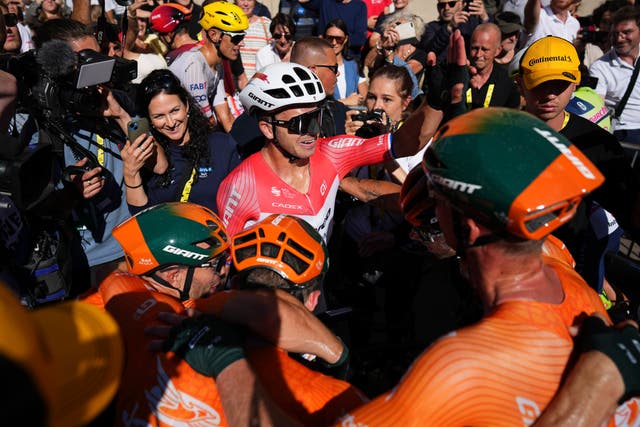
199	159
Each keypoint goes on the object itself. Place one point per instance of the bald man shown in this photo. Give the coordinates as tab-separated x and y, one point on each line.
489	85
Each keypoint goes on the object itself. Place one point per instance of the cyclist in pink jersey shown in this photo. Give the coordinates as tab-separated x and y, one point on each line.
296	173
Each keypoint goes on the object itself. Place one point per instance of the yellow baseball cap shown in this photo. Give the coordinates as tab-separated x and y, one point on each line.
72	352
549	58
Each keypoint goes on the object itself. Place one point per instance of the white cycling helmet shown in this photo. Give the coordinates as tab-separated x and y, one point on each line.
281	85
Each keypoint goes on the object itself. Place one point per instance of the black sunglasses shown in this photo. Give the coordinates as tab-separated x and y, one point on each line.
236	38
10	19
333	68
337	39
302	124
287	36
448	3
216	263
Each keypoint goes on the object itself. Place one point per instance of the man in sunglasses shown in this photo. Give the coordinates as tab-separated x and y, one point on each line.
201	69
464	15
297	173
175	254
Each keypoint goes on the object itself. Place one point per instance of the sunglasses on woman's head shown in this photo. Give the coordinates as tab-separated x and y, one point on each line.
337	39
287	36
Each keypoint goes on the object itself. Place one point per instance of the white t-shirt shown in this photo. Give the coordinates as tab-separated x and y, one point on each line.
550	25
267	56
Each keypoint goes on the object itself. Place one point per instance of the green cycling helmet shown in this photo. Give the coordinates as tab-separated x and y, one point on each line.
509	171
171	233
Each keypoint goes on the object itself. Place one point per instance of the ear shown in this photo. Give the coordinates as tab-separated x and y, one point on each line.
267	129
406	102
214	34
312	300
175	276
474	230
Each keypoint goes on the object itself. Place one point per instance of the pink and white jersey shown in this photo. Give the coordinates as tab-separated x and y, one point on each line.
253	191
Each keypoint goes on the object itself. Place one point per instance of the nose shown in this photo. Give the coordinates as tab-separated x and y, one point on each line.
377	105
170	121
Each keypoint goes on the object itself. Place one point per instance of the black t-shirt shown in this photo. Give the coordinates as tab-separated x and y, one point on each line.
617	194
503	93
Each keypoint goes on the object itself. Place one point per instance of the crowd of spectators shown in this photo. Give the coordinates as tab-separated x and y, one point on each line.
325	111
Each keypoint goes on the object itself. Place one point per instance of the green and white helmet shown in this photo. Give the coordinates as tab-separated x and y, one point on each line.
509	171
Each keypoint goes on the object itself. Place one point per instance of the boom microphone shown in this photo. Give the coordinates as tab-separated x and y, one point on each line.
56	58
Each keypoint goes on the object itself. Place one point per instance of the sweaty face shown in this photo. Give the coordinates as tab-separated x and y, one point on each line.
626	36
301	146
384	95
168	115
485	46
337	38
548	100
205	282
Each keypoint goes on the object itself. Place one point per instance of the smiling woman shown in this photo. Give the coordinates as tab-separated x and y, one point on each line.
198	158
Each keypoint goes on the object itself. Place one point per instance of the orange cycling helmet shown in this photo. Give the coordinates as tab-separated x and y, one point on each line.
171	234
284	244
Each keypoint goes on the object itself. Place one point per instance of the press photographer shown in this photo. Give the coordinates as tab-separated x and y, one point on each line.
77	113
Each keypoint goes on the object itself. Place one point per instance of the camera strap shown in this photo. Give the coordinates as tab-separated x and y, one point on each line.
623	102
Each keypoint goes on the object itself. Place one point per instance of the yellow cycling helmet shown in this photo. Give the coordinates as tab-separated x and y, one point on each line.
224	16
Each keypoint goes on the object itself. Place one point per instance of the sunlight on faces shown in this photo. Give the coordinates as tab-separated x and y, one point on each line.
168	115
301	146
384	94
333	36
446	10
246	6
626	37
485	46
282	44
326	76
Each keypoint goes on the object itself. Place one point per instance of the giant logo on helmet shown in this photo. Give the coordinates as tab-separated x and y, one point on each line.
184	253
463	187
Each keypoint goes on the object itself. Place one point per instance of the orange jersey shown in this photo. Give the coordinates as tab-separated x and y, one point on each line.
157	389
161	389
502	371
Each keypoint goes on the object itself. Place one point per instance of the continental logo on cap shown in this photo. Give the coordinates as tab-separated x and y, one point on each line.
559	58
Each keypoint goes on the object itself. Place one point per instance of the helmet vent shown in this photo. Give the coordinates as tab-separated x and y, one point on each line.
244	239
302	73
299	248
297	90
310	88
261	233
298	265
540	221
288	79
246	252
282	236
278	93
269	250
212	225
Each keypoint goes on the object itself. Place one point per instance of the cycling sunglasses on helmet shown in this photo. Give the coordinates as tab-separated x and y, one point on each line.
236	38
305	124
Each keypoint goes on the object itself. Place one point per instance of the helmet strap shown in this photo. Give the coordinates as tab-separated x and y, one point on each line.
280	148
184	292
462	232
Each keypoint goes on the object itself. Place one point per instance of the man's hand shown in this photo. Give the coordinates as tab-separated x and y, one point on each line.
90	182
207	344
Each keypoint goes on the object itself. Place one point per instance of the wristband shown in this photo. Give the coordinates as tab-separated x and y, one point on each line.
132	186
622	346
343	357
209	345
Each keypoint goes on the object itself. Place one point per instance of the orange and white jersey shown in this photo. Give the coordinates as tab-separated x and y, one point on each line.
555	248
502	371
